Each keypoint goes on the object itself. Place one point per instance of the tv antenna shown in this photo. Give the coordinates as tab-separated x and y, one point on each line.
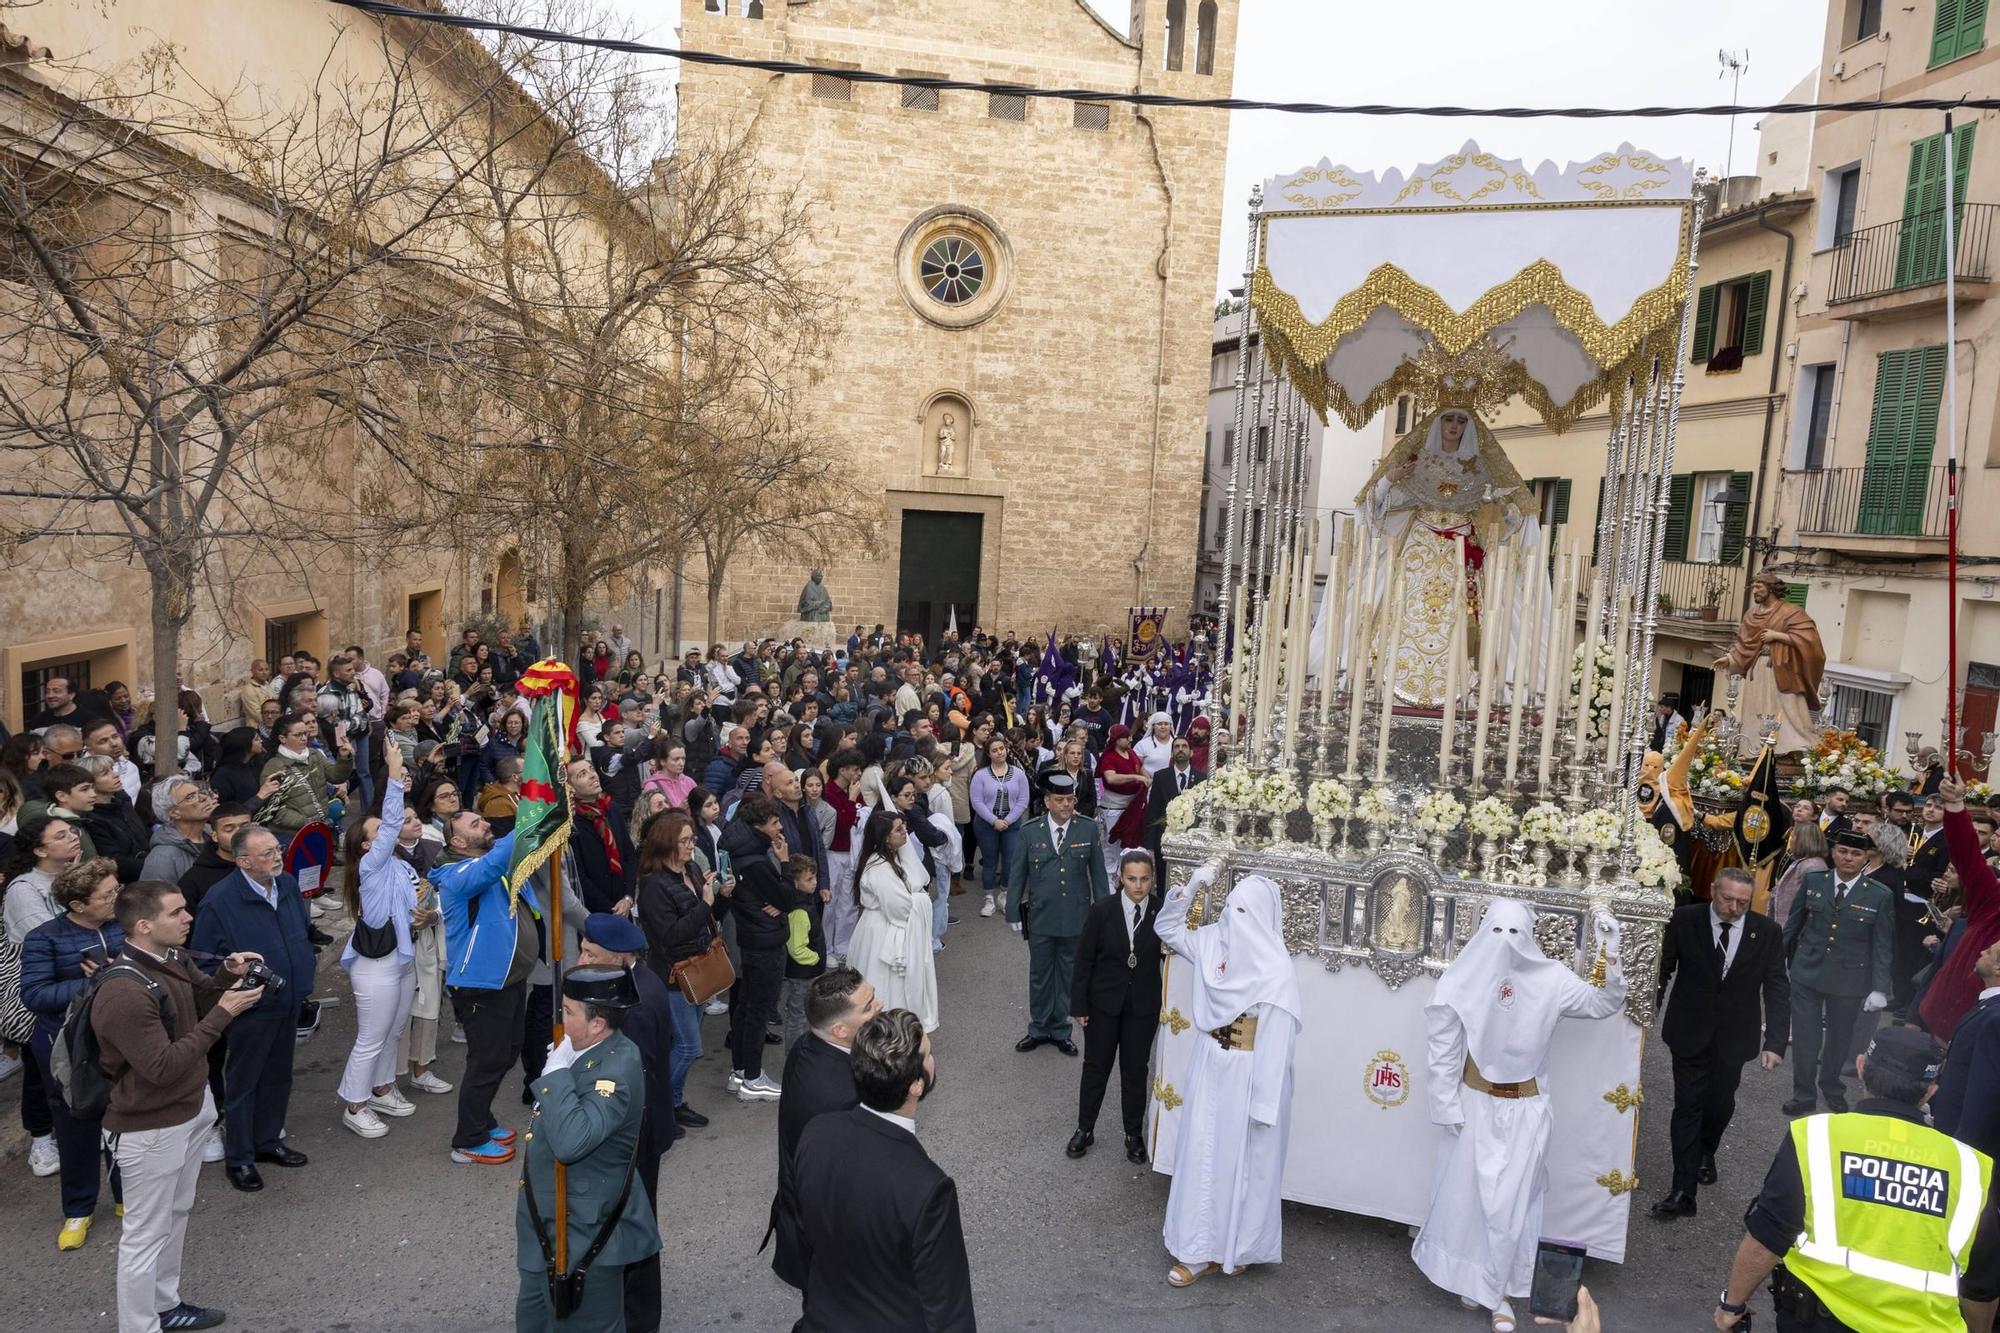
1734	63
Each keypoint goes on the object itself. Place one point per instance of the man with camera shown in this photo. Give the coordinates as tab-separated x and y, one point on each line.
257	909
154	1030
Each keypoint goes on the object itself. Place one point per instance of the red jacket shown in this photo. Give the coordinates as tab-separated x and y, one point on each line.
845	815
1956	987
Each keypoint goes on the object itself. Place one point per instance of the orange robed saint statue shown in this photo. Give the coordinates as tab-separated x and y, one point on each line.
1777	651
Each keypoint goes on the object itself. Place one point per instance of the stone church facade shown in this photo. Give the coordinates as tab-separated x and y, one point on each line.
1027	288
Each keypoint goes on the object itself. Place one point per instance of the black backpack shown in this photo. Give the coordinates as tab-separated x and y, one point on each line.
76	1061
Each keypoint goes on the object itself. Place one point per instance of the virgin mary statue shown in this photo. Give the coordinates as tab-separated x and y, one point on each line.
1447	478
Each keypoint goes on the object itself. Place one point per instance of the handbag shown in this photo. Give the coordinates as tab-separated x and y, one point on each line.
706	975
374	941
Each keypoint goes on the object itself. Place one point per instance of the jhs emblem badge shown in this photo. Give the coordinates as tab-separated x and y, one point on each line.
1756	824
1386	1080
1506	995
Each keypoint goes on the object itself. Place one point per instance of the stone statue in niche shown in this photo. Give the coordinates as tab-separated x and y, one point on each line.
1398	915
947	442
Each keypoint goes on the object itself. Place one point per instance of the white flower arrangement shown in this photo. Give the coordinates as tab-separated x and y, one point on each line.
1233	789
1713	775
1657	867
1595	830
1978	792
1440	812
1545	823
1328	800
1843	759
1181	812
1490	817
1377	806
1606	663
1277	794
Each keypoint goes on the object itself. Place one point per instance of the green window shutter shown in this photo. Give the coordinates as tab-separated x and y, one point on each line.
1902	435
1920	240
1704	324
1944	33
1971	26
1795	593
1562	501
1735	520
1961	161
1680	508
1755	302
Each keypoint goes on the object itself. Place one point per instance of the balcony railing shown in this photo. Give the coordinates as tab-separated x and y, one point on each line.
1880	501
1909	252
1686	586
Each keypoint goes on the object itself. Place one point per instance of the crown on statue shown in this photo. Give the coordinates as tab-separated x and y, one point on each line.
1479	379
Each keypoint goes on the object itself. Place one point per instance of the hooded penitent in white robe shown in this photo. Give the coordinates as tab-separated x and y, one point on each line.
1498	1005
1229	1161
891	944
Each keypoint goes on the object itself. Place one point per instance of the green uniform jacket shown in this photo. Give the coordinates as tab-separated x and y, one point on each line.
1057	888
588	1116
1849	950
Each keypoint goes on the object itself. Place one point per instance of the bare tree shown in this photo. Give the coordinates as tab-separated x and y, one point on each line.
623	298
195	306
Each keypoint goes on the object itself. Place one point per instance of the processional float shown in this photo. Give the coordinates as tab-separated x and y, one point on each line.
1464	717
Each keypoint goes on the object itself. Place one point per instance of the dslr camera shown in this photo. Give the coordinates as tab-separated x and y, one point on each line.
259	975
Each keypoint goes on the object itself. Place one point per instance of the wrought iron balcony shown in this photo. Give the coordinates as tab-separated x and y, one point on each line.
1909	253
1883	501
1687	587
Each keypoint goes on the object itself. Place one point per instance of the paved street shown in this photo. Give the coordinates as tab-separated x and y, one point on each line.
388	1235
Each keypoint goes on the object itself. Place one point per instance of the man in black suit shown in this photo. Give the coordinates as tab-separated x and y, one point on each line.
1115	999
1726	958
817	1080
1178	776
878	1221
1967	1105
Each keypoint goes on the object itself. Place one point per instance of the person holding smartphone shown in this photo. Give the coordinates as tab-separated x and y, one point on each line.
58	959
676	900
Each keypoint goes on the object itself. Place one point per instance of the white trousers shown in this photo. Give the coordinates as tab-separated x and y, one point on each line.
384	990
159	1168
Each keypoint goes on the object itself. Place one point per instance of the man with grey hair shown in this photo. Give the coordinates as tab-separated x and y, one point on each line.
63	742
182	806
257	909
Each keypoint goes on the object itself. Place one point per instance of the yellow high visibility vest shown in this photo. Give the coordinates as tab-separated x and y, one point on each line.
1891	1210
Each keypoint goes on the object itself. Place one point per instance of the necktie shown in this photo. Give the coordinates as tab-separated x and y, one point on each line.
1722	948
1132	940
1056	834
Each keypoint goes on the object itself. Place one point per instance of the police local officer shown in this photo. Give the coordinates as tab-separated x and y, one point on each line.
590	1106
1882	1222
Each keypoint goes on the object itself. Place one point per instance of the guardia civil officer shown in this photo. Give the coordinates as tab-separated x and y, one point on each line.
590	1106
1050	887
1881	1222
1841	938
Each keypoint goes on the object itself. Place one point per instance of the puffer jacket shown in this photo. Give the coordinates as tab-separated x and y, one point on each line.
52	966
760	882
302	798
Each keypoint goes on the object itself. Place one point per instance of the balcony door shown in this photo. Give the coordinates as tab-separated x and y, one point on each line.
1920	242
1902	432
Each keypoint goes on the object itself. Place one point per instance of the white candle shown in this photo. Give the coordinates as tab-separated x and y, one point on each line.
1586	685
1268	642
1562	628
1520	678
1454	650
1493	576
1392	603
1360	644
1330	632
1236	681
1618	632
1300	642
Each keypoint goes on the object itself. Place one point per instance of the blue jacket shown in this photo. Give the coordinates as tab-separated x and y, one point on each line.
235	918
52	966
478	933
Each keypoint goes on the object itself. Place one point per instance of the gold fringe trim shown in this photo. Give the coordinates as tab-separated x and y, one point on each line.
538	858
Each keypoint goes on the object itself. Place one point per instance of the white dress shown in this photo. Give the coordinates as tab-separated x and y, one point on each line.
891	944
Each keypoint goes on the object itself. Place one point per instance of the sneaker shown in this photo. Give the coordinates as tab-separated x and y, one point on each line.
688	1116
457	1035
75	1231
392	1102
429	1082
364	1122
213	1151
43	1159
759	1089
189	1316
486	1154
118	1210
500	1134
716	1006
735	1085
986	908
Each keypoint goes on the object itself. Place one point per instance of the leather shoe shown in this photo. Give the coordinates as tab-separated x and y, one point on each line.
687	1115
245	1178
1079	1143
773	1038
1836	1104
1065	1045
1799	1108
283	1156
1673	1206
1028	1043
1135	1149
1705	1173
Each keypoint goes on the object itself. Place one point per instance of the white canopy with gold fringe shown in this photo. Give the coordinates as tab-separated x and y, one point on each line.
1576	275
